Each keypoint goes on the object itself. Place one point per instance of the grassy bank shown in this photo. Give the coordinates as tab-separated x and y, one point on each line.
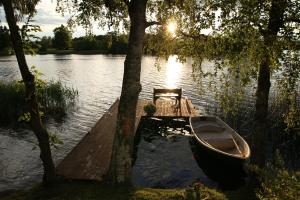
275	183
92	191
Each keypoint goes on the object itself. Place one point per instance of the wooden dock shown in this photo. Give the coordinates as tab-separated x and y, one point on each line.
90	158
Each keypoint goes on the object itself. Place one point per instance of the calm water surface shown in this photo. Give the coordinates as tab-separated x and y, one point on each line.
98	79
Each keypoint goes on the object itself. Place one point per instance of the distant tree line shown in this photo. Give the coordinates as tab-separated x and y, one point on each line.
5	44
109	43
62	42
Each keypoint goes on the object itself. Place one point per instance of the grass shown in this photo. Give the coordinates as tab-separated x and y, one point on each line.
243	193
79	190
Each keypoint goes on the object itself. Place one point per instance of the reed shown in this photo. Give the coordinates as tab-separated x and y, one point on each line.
55	100
12	102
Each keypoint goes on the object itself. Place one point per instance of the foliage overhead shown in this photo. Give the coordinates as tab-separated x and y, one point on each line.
114	13
24	7
105	12
239	34
24	12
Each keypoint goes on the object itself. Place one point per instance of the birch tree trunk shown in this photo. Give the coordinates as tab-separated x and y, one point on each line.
120	166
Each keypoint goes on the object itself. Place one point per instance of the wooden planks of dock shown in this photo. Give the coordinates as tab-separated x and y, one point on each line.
90	158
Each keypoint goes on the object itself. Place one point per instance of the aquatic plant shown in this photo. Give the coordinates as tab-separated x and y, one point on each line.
54	98
11	102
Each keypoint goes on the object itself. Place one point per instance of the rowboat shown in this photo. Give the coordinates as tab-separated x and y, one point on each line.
218	142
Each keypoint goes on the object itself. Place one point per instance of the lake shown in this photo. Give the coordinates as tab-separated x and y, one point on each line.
98	79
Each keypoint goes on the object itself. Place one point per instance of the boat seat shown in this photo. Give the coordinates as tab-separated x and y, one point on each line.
221	141
209	127
234	151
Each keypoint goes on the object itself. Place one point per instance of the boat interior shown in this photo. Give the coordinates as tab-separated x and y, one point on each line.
216	134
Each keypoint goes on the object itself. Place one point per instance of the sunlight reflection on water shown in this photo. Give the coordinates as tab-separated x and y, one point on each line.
173	71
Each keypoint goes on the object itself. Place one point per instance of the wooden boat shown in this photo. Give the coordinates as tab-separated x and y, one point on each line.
218	142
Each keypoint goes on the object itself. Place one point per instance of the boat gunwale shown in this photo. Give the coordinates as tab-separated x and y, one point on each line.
210	147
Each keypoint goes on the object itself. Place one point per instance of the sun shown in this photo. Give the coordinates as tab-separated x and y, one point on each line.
171	28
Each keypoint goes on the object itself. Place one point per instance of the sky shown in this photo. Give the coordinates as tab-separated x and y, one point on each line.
48	19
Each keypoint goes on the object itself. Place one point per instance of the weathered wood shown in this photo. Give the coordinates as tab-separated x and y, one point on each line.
120	167
90	158
166	90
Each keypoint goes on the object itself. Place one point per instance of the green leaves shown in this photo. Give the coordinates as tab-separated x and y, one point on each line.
62	38
54	140
278	183
111	13
150	109
27	33
287	86
25	117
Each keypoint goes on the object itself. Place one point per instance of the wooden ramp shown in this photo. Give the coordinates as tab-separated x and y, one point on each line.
90	158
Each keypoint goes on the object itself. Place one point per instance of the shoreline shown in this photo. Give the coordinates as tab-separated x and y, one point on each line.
67	52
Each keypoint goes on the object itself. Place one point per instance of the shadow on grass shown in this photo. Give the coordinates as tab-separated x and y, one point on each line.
73	190
81	190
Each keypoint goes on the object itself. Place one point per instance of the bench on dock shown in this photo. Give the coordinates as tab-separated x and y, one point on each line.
170	93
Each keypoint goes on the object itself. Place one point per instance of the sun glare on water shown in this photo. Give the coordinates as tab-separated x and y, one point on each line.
173	71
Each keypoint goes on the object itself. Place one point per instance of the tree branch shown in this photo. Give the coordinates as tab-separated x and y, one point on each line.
261	29
152	23
292	19
200	36
126	2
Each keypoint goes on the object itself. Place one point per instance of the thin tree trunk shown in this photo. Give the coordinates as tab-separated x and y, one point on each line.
260	135
31	100
120	166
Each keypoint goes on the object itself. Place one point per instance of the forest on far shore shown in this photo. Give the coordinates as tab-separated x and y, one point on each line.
64	43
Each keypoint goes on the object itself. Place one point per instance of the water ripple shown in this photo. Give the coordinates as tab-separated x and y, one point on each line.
98	79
